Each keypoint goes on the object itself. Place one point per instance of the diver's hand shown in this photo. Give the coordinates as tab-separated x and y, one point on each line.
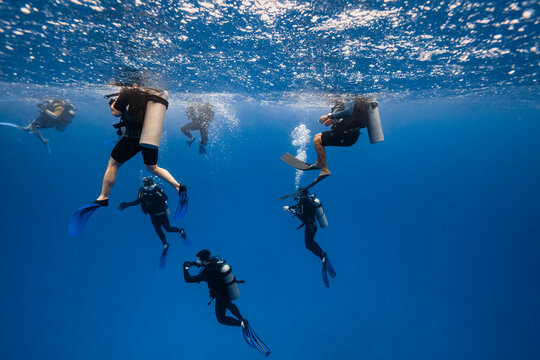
323	119
285	208
123	206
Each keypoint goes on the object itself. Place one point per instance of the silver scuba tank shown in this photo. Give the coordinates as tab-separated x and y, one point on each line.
230	281
374	126
319	211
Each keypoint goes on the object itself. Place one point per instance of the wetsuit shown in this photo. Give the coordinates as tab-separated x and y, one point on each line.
347	123
132	104
305	211
218	290
153	202
201	116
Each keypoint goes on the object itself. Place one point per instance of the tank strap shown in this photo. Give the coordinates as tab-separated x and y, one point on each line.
158	99
132	134
348	131
231	282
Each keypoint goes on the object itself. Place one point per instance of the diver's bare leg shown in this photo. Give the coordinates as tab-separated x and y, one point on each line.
321	154
109	178
164	174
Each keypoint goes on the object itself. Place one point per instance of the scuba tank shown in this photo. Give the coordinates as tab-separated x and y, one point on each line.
319	211
374	126
225	271
153	119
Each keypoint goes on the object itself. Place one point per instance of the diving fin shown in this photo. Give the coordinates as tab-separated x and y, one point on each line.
297	163
185	239
329	268
253	340
80	218
325	277
182	207
12	125
163	257
315	182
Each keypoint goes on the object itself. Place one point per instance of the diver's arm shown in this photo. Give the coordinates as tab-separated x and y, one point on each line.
56	113
193	279
334	118
115	112
296	210
125	205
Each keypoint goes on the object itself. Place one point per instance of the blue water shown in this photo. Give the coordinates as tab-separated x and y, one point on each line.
433	233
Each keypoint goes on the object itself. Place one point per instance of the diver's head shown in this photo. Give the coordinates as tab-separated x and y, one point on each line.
191	111
302	194
203	257
148	182
338	104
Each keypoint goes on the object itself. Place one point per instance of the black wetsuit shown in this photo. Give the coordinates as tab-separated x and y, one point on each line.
132	104
201	119
153	202
218	290
305	211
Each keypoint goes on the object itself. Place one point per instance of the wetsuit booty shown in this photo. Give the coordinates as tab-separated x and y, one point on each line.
102	202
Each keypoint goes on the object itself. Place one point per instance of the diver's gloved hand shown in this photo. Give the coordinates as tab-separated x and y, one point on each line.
187	264
285	208
123	206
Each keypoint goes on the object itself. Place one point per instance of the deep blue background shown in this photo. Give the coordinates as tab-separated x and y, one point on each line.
433	233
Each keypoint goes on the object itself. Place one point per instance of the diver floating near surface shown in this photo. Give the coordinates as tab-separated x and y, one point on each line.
142	112
309	210
201	115
346	119
223	288
153	201
54	113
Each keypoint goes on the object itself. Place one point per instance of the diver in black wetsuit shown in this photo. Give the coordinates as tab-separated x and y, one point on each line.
222	285
210	273
201	115
153	201
306	210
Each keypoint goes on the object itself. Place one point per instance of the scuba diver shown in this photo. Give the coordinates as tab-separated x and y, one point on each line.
55	113
223	287
153	201
308	208
201	115
346	118
140	109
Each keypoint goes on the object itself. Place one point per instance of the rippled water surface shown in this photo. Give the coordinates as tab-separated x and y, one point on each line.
275	45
